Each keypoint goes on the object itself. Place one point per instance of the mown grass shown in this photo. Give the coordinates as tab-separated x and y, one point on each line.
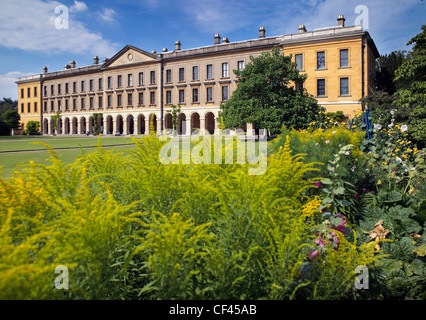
15	150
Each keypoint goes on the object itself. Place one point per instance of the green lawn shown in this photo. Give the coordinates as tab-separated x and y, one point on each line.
20	143
20	149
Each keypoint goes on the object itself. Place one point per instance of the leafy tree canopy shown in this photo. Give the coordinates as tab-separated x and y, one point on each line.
266	95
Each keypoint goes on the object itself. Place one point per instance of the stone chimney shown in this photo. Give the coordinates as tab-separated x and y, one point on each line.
153	51
67	66
262	32
165	50
44	69
225	40
177	45
217	38
341	20
105	60
73	64
302	28
96	60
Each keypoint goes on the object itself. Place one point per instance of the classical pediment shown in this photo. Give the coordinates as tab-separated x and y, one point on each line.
129	55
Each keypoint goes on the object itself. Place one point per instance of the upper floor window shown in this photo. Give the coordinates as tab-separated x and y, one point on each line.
168	75
209	94
168	97
181	74
59	88
195	95
299	61
109	82
29	92
130	80
209	71
91	84
195	73
240	65
141	78
225	93
344	86
83	87
119	81
321	87
321	60
74	87
35	91
100	84
66	88
52	90
152	77
344	58
22	93
181	96
225	71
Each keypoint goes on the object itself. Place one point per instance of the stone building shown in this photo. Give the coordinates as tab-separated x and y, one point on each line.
135	88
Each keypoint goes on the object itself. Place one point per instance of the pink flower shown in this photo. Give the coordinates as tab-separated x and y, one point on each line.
327	141
312	255
317	184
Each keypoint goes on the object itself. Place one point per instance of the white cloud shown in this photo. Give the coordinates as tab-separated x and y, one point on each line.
107	15
78	6
30	25
8	85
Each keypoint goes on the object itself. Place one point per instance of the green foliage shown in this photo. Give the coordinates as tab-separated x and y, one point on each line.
129	227
32	128
96	129
266	96
11	117
55	118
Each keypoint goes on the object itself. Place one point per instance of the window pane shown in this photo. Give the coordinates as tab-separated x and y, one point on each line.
209	71
209	94
195	73
181	74
224	93
344	58
240	65
225	72
194	95
140	78
344	86
181	96
299	61
321	60
321	87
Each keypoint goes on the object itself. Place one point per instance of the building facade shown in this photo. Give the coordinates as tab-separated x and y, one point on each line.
135	88
29	100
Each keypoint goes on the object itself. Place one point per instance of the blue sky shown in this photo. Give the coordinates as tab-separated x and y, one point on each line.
29	39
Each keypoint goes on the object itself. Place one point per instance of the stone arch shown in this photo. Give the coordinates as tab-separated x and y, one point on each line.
74	125
91	124
59	125
195	121
210	120
83	125
153	119
182	123
141	124
67	125
119	124
109	125
45	126
168	122
130	124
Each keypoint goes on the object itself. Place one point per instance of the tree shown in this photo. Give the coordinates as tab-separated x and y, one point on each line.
8	104
414	96
386	65
55	119
266	96
11	118
32	127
